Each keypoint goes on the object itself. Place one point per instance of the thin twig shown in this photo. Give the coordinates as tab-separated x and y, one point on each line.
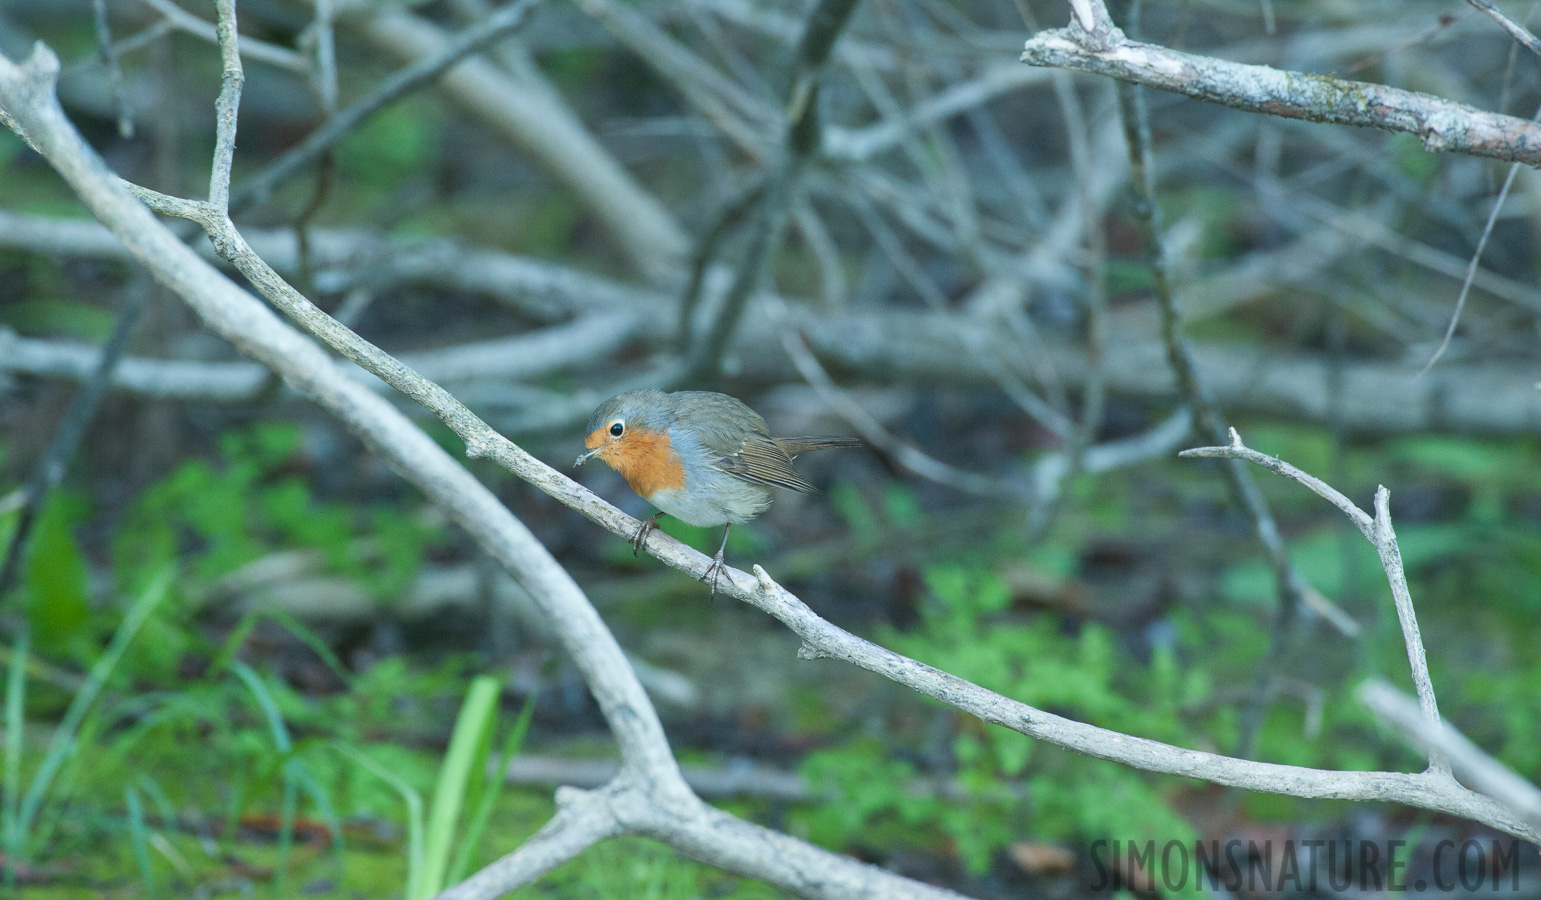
1094	394
1235	449
872	431
259	187
226	107
107	54
136	41
1476	255
82	409
323	82
925	287
323	74
826	254
257	51
801	143
1378	531
518	104
1291	586
707	249
736	112
1519	32
1391	559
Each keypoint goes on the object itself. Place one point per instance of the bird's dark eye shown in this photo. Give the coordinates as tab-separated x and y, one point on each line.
617	429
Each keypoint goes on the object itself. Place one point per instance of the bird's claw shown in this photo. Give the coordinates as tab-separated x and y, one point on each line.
713	572
639	539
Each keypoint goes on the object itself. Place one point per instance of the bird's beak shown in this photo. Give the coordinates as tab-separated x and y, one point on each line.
584	457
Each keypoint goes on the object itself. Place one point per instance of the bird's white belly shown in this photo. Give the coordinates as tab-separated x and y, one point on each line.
720	500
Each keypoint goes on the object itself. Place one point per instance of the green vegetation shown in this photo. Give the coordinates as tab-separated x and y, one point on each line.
179	758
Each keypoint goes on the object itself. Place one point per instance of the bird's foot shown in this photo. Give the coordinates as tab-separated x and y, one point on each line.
640	538
713	572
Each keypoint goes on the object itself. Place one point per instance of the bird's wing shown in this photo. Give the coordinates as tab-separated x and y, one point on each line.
809	443
760	460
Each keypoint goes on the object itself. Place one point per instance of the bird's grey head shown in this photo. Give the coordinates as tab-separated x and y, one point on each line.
646	409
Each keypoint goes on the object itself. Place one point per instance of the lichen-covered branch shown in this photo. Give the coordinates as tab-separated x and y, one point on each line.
1442	125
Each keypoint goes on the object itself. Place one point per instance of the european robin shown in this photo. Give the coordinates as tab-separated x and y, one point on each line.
701	457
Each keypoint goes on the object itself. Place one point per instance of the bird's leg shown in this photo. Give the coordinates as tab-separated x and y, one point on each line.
640	538
715	569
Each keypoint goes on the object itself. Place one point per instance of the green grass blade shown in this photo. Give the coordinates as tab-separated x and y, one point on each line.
409	795
64	736
488	798
286	832
468	748
267	704
309	638
163	805
234	806
327	812
140	836
285	747
15	734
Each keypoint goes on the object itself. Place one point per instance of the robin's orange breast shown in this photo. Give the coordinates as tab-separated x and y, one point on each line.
647	461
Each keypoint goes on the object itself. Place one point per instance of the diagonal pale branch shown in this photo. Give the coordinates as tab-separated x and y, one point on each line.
1442	125
651	797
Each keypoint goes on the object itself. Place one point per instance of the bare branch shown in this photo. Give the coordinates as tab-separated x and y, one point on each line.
1483	772
26	92
107	54
651	798
1442	125
1382	537
801	143
826	640
742	117
872	431
1237	450
1519	32
859	145
1391	560
226	107
1094	395
1471	268
1482	397
583	819
739	778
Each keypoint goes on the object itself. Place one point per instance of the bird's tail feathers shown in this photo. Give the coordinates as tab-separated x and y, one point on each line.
809	443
